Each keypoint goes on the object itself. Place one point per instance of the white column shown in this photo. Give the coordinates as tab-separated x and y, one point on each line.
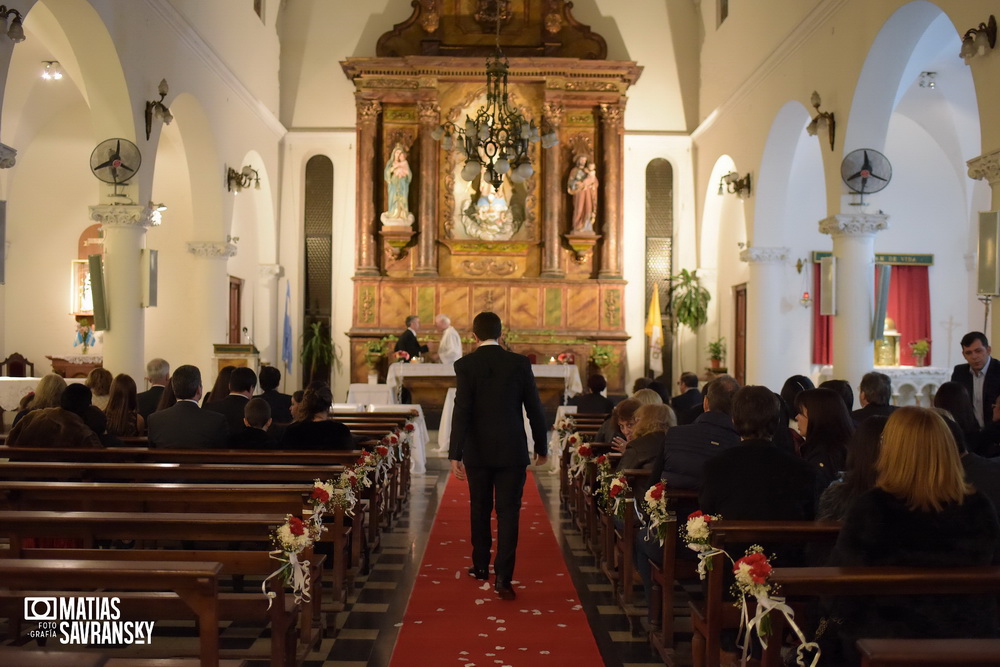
854	248
987	167
209	323
765	344
124	228
266	318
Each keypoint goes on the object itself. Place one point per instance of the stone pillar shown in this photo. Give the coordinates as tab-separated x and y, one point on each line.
854	249
209	314
427	211
124	228
267	322
554	195
611	190
368	111
765	346
987	167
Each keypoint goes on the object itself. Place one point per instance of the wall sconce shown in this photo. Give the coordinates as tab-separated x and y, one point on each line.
157	212
240	180
734	185
927	80
976	39
51	70
16	28
157	109
822	120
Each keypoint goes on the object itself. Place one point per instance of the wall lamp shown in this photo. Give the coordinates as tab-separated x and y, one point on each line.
241	180
156	212
157	109
734	185
976	39
822	120
51	70
16	28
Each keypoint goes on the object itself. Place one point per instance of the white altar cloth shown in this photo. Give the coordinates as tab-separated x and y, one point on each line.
421	437
568	372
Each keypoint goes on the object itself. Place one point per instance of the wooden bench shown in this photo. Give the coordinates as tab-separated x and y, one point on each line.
194	583
929	652
715	612
841	581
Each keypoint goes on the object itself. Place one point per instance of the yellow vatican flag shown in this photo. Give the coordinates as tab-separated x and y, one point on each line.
654	332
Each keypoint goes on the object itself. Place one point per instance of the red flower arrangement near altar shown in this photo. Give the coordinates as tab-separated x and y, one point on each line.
401	355
566	358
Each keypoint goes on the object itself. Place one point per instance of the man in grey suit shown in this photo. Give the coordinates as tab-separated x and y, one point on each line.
158	375
185	425
490	448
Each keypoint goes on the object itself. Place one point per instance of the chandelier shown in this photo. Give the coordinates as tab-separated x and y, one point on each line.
498	135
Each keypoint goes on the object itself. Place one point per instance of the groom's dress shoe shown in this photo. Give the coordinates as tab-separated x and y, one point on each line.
480	574
504	589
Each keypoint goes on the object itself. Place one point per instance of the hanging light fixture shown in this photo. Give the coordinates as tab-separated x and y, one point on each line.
498	134
15	27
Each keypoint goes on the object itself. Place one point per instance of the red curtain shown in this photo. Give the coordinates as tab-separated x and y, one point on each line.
822	326
910	307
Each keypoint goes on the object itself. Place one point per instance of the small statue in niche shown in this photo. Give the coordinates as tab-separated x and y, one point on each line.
487	214
582	186
397	178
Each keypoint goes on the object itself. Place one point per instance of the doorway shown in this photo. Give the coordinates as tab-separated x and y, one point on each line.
740	339
235	309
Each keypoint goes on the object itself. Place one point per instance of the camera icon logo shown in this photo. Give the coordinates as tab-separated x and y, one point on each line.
40	609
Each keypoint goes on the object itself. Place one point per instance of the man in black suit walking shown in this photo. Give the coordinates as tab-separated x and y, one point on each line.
158	374
185	425
980	377
408	342
489	446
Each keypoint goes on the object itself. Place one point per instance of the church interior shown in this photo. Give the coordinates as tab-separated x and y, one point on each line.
654	187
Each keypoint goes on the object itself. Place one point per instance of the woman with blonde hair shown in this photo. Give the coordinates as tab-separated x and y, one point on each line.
921	513
122	411
99	381
646	445
48	392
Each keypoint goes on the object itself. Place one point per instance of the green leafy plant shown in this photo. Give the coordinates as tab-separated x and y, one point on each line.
317	349
602	355
920	347
688	300
376	349
717	349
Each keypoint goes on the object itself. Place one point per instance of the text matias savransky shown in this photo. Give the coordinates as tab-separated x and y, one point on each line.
85	620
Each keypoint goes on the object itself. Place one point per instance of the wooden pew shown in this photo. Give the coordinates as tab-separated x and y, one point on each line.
711	615
193	582
840	581
929	652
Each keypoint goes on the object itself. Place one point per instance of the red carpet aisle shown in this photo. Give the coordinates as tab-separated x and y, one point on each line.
453	619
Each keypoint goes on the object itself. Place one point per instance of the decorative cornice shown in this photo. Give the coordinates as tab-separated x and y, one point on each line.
761	255
854	224
220	250
123	215
190	36
985	167
270	271
8	156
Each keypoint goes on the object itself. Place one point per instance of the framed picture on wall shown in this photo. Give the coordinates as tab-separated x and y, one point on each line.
81	294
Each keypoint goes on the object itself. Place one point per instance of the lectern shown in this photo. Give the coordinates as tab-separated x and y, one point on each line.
233	354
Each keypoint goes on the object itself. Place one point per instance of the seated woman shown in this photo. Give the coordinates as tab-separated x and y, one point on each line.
646	444
826	425
921	513
99	381
63	426
221	387
618	428
862	452
316	431
122	411
47	393
593	402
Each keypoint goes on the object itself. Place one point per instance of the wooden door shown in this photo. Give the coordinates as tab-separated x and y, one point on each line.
740	339
235	310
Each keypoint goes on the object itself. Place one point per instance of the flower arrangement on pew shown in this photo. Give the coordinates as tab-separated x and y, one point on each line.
656	510
752	573
290	539
617	492
580	454
697	535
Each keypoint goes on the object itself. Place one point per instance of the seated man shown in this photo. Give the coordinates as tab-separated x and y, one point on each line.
688	399
257	420
242	382
874	394
158	375
593	402
185	425
281	404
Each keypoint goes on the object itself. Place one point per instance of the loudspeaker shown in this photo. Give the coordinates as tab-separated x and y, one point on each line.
988	281
881	300
828	286
149	261
97	290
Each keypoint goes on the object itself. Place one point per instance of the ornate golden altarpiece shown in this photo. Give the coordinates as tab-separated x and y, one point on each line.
470	248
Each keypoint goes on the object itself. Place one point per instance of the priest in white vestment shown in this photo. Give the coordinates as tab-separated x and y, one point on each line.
450	349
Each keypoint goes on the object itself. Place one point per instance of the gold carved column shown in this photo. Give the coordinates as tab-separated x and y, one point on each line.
427	213
611	145
368	111
554	196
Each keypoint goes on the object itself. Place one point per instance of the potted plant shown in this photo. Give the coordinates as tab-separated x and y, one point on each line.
374	351
602	356
717	352
688	303
316	352
920	349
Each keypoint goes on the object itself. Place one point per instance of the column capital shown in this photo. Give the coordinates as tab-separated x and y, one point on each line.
429	113
123	215
762	255
986	166
552	113
854	224
270	271
612	114
368	110
8	156
218	250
